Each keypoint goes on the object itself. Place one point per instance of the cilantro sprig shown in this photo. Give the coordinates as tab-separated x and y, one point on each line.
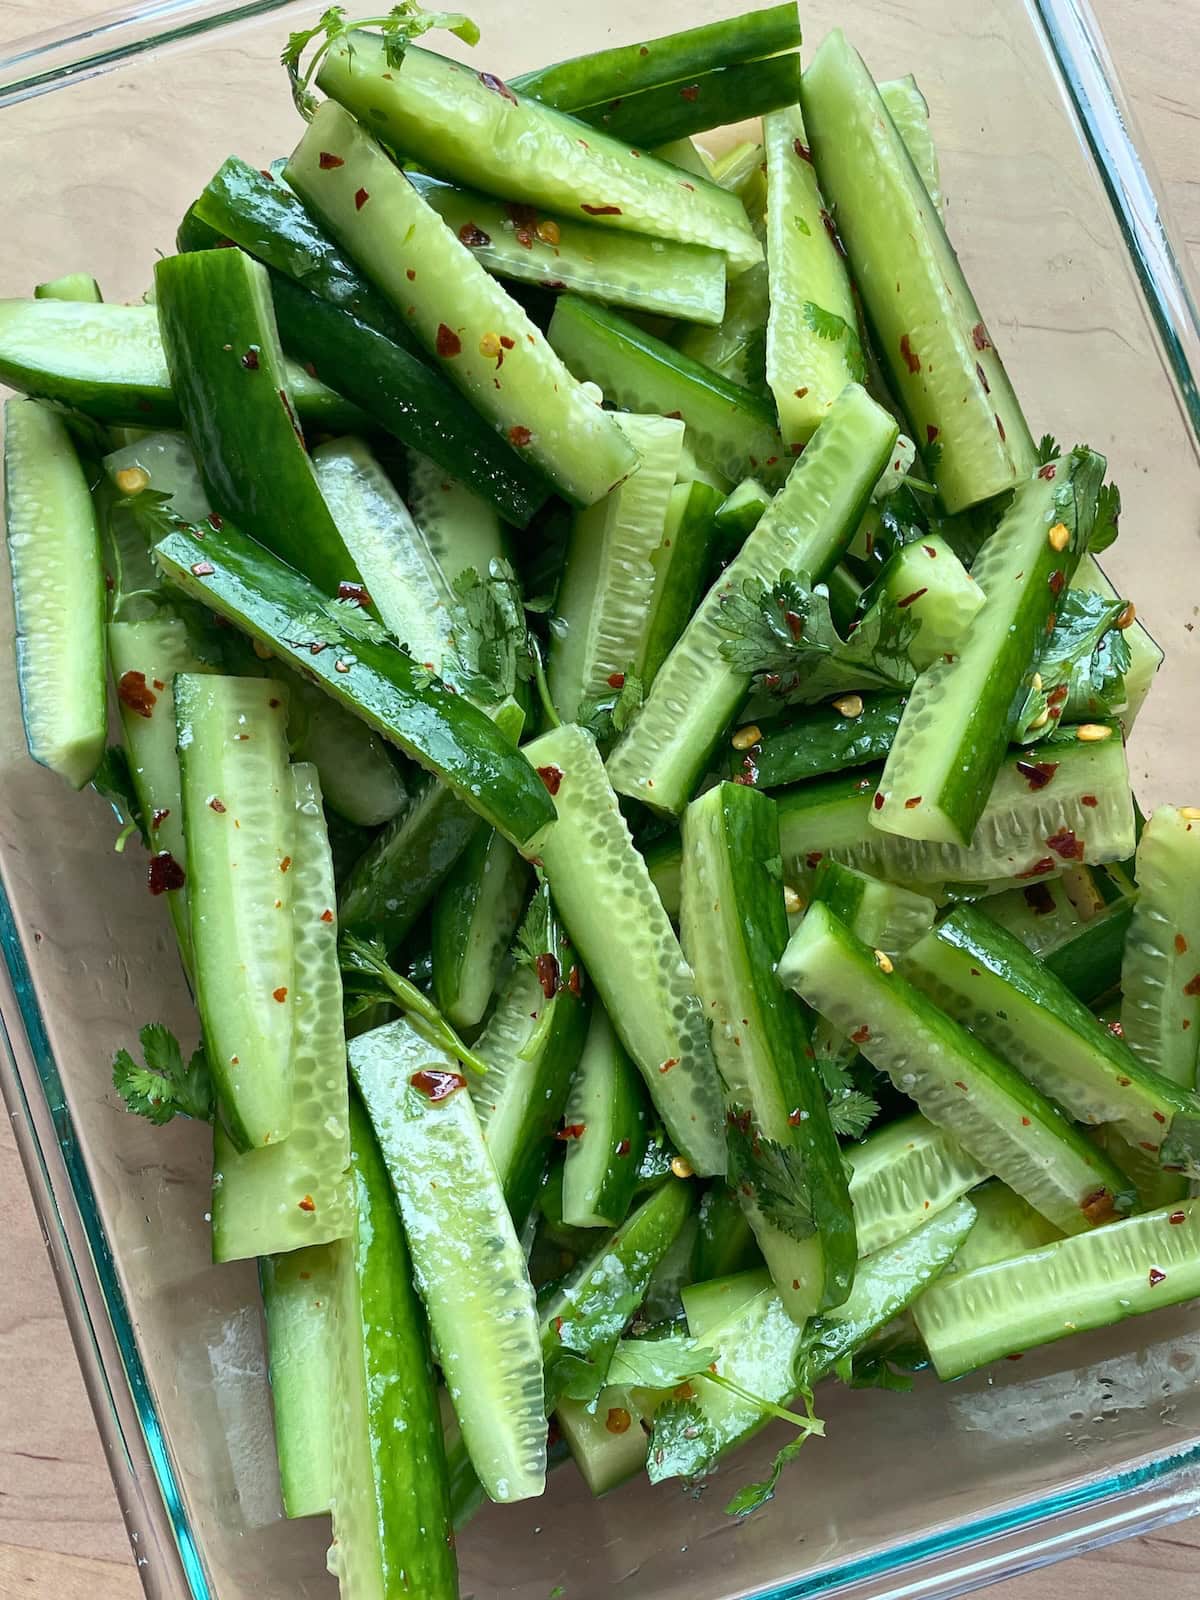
372	980
830	326
166	1086
1084	659
773	1174
606	716
114	781
851	1109
399	27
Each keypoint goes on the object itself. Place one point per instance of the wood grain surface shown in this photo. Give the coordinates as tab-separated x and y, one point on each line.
60	1532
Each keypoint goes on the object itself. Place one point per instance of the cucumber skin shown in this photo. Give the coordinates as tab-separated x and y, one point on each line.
222	348
817	742
681	577
382	1346
728	94
939	793
724	1242
442	732
405	866
1005	1308
599	1194
466	956
1160	1008
729	836
40	466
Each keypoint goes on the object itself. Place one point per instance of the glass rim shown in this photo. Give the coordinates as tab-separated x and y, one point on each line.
1089	1513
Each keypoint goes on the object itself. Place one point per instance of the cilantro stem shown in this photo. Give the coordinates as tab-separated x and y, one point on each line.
808	1424
124	837
550	711
424	1016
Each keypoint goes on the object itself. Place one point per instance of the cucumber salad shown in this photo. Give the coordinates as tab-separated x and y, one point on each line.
628	726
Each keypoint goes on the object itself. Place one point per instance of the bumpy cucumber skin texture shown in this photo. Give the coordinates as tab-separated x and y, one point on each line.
452	120
1160	975
298	1291
222	348
734	929
391	1494
884	915
295	1193
1139	1264
1006	1124
954	732
615	919
444	733
468	1263
459	312
58	592
940	357
239	826
661	756
817	742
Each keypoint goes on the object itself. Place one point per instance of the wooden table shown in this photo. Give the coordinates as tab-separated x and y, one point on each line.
60	1533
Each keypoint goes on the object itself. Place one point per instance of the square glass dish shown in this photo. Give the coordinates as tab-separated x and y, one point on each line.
928	1494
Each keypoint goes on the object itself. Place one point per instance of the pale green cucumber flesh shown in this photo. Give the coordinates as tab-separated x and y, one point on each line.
712	1302
885	916
931	583
608	1445
474	918
298	1291
1160	1008
909	110
607	1116
461	531
904	1174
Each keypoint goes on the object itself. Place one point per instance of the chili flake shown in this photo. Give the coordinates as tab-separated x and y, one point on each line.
448	343
911	359
133	691
474	236
165	873
435	1084
552	777
601	211
546	967
519	436
327	161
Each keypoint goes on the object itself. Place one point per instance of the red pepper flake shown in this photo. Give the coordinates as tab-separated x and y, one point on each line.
987	388
690	187
1037	774
909	598
643	50
327	161
165	873
552	777
601	211
215	521
860	1035
571	1130
1181	945
474	236
307	1204
1039	899
489	80
980	335
250	359
930	551
1057	581
558	1326
616	680
1065	844
690	92
1193	987
800	393
931	432
913	801
279	994
911	359
159	816
1016	1356
1026	1122
1000	428
133	691
327	915
1039	868
356	592
202	569
519	436
448	342
1048	471
1088	800
507	343
1099	1207
623	1148
436	1085
411	274
795	623
671	1061
1158	1116
1177	1219
831	229
1153	1148
618	1420
546	967
1157	1276
802	150
217	805
878	802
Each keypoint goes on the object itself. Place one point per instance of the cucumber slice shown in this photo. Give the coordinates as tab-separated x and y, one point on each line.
506	144
1005	1226
226	365
817	741
928	579
608	1119
691	157
740	513
686	555
1076	791
954	732
984	977
612	912
762	1350
239	820
467	1260
532	1045
1005	1123
729	428
813	348
663	1302
443	732
619	269
1139	1264
391	1494
383	540
71	286
737	349
585	1316
1160	975
475	917
605	600
1146	656
1042	915
942	362
458	311
460	531
909	110
168	461
1083	949
724	1241
807	525
299	1292
734	931
58	592
145	657
726	95
711	1303
903	1175
608	1445
883	915
359	778
405	866
107	361
1154	1184
266	1201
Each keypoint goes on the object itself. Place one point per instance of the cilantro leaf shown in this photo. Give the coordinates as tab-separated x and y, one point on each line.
659	1363
773	1174
371	980
114	781
852	1113
1047	449
399	27
605	717
535	938
165	1087
756	1495
832	327
1077	656
851	1109
1108	514
489	635
886	1365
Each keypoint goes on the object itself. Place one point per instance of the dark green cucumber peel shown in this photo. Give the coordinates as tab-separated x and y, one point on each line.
665	112
442	732
607	1129
818	741
475	917
222	348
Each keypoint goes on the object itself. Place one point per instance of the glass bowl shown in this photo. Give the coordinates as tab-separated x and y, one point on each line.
925	1494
